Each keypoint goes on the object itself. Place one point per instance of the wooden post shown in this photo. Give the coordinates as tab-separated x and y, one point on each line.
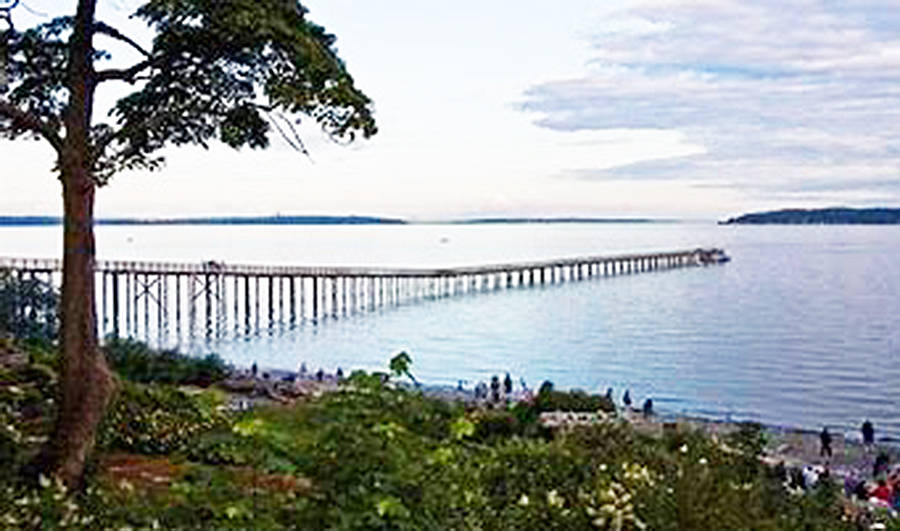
115	303
315	298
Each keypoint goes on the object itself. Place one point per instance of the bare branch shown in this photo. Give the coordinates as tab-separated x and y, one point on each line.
30	122
109	31
5	12
296	142
129	75
34	11
9	7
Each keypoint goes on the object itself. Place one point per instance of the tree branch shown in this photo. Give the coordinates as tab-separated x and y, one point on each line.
30	122
297	142
109	31
126	74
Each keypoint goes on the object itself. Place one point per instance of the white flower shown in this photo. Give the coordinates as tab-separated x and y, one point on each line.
554	499
523	501
703	461
683	449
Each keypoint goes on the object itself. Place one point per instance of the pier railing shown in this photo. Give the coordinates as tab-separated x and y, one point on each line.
161	301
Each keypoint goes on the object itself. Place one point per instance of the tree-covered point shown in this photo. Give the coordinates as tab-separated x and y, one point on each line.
826	216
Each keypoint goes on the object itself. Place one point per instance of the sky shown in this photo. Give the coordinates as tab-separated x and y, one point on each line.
698	109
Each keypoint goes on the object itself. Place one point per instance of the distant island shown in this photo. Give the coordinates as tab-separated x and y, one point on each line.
223	220
822	216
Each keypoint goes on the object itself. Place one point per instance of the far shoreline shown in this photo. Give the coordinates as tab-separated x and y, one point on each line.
278	220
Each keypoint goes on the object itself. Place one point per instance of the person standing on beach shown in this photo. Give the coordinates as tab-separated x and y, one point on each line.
495	389
626	399
868	434
825	439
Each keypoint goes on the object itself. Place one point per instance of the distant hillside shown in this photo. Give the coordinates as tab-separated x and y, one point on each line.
258	220
822	216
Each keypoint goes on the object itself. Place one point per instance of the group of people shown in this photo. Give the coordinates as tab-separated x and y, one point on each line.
496	394
647	408
868	438
884	486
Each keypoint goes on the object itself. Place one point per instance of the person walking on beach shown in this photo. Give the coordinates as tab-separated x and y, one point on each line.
626	399
825	439
868	434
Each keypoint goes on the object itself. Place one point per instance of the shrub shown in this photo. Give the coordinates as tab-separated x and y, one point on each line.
27	406
138	362
576	400
28	307
159	419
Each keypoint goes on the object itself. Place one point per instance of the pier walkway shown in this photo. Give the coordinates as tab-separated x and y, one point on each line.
156	301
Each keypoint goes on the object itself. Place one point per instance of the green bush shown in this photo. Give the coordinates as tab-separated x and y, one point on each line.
576	400
28	307
27	407
138	362
372	456
159	419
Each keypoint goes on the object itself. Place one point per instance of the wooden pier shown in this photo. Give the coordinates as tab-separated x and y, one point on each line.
165	302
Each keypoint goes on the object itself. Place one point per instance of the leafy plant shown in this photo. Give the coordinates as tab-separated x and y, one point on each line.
159	419
28	306
136	361
400	366
549	399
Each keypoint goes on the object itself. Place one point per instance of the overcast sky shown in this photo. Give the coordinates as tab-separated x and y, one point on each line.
669	108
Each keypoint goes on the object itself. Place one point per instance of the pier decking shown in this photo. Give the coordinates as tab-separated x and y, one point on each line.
160	301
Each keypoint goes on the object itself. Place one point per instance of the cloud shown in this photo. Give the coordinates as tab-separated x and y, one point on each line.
785	97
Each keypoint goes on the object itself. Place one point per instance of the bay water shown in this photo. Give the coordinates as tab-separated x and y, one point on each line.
801	328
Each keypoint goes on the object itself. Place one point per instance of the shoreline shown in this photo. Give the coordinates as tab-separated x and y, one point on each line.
468	394
792	444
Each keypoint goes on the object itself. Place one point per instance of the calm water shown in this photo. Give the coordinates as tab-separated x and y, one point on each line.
801	328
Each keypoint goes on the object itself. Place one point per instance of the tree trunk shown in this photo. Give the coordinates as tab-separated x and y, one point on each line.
85	383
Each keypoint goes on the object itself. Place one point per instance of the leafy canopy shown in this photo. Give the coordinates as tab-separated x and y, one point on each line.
232	70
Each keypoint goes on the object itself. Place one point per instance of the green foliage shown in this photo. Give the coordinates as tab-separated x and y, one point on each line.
577	400
235	70
28	307
400	365
27	406
749	438
372	456
493	424
137	362
159	419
